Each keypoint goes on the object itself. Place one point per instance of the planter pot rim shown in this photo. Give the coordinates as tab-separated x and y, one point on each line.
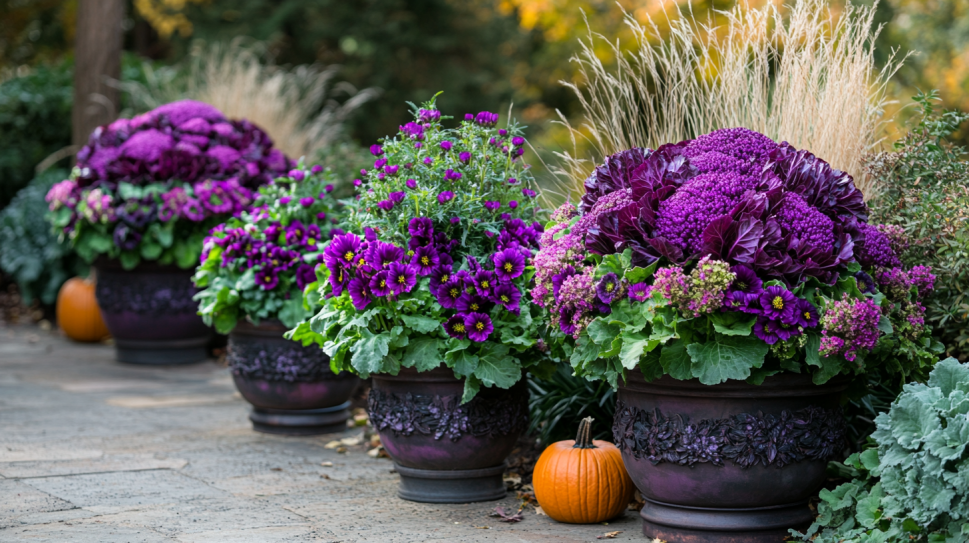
780	385
148	266
440	374
265	328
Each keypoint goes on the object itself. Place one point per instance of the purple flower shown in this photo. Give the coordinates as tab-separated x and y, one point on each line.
492	206
307	201
402	277
468	117
425	259
450	292
413	130
807	314
411	184
381	254
746	280
421	227
518	141
397	197
765	330
439	276
446	145
923	278
779	304
508	296
640	292
298	175
328	188
472	303
341	252
428	115
376	150
316	169
783	331
267	279
479	326
455	327
737	300
305	275
486	118
559	278
386	205
455	220
509	264
465	157
358	293
428	160
451	175
379	285
484	281
513	204
445	197
357	182
285	200
607	288
865	283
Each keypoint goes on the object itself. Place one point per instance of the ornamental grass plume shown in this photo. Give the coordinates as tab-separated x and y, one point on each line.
805	75
295	106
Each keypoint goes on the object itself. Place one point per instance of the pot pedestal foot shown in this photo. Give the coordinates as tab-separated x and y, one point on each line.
301	422
702	525
451	486
162	353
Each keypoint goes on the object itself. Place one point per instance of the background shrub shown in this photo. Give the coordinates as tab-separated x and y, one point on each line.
29	250
922	187
560	402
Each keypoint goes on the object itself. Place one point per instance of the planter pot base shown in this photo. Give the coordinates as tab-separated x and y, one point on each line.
701	525
301	422
162	353
451	486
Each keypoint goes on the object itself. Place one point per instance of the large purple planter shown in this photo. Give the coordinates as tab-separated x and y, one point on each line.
730	463
291	388
446	452
150	313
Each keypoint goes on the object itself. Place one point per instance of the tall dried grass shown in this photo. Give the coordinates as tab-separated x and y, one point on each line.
801	74
296	106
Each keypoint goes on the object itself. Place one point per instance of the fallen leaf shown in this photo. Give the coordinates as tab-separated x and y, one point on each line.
341	450
275	469
507	516
526	496
539	511
326	464
352	441
378	452
324	476
608	535
658	540
482	527
332	445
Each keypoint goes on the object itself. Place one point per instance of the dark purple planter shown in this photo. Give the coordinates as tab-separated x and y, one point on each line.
291	388
446	452
730	463
150	313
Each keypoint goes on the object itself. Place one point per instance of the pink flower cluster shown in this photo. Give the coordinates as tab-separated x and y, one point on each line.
848	326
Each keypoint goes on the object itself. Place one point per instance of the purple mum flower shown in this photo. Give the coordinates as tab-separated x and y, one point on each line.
376	150
479	326
807	314
439	276
358	293
267	279
472	303
492	206
508	296
746	280
341	252
765	330
307	201
737	300
865	283
305	275
445	197
779	304
386	205
425	259
402	277
446	145
607	288
465	157
484	281
783	331
449	293
381	254
397	197
411	184
455	327
640	292
509	264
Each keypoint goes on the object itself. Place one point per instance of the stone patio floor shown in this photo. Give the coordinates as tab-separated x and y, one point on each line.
95	451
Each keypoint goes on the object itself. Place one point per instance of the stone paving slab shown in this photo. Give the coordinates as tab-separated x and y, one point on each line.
95	451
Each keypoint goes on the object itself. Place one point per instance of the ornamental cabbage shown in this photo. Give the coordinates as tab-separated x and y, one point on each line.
150	187
914	485
728	257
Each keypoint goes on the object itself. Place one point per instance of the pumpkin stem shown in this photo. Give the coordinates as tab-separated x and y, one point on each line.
583	440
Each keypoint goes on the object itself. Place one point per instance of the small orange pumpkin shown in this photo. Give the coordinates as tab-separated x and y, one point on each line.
78	314
582	481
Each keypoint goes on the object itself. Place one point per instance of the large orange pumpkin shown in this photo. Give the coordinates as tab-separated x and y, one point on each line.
78	314
582	481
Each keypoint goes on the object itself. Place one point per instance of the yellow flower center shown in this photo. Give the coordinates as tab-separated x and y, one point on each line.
349	256
275	262
508	267
610	286
807	315
479	326
485	284
445	278
740	285
401	279
311	241
474	307
777	302
383	283
455	293
459	328
504	298
361	262
425	261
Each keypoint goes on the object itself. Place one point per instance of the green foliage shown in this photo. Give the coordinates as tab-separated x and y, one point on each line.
227	279
35	121
913	486
923	190
29	251
557	403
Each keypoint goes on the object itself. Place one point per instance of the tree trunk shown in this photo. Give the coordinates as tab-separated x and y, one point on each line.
97	58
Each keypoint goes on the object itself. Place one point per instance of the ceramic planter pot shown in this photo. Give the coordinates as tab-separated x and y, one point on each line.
446	452
730	463
291	388
150	313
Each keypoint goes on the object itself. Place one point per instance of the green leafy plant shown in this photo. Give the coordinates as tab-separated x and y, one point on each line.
255	266
439	274
923	190
913	485
557	402
29	250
